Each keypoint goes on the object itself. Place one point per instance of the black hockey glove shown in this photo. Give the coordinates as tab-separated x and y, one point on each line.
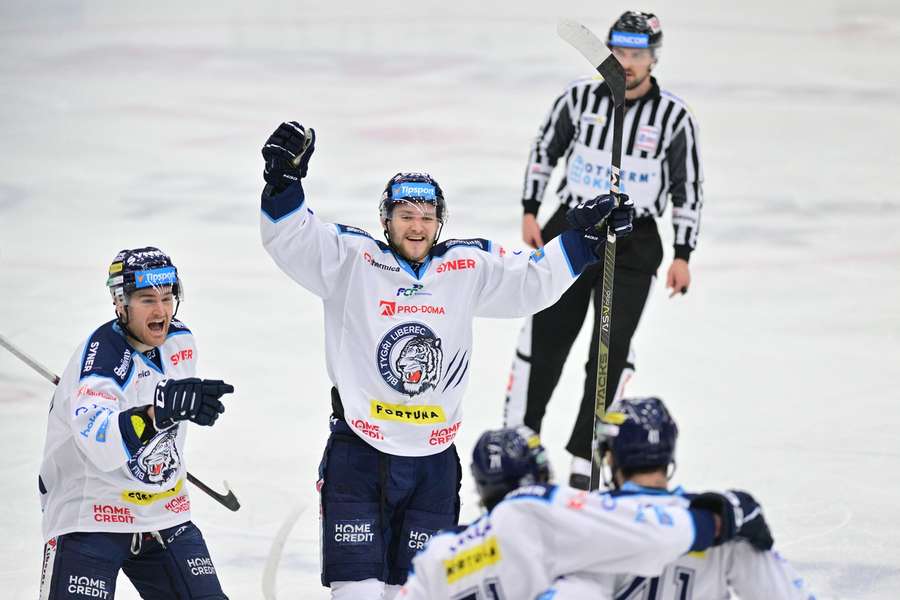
188	399
727	507
287	153
589	214
754	529
621	219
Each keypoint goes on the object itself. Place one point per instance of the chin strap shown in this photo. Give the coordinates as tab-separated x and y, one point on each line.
123	323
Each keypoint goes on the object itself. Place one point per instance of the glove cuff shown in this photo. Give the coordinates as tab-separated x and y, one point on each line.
704	529
277	205
162	419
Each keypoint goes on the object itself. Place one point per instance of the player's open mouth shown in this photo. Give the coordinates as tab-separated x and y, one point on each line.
156	326
416	239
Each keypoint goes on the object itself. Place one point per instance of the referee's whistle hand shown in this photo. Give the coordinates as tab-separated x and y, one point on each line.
678	279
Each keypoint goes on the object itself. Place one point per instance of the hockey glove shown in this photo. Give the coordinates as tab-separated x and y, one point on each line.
725	506
754	529
287	153
210	405
621	219
192	398
590	214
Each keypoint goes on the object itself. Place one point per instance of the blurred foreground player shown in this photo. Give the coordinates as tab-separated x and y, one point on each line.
112	482
536	532
638	441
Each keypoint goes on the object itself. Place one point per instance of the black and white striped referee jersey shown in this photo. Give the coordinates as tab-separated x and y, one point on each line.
660	155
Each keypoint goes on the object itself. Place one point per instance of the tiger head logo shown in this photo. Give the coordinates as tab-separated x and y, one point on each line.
419	364
157	461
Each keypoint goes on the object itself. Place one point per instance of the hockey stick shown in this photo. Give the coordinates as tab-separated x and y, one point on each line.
583	40
271	569
228	500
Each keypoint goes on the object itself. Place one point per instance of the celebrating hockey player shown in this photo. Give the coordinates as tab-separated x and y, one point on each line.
536	532
398	345
660	161
638	441
112	482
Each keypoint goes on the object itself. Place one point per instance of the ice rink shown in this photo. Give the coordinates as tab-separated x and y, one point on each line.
131	124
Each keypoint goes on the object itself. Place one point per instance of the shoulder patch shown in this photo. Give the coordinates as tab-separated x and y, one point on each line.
106	354
350	230
477	243
176	327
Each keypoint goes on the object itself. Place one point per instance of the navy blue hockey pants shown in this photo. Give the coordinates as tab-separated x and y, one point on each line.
171	564
378	509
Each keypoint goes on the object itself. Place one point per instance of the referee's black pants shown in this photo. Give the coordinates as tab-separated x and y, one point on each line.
548	336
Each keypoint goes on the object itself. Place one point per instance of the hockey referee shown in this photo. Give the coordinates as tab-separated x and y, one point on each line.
660	162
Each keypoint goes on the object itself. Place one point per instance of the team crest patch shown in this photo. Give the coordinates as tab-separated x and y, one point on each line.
409	358
158	461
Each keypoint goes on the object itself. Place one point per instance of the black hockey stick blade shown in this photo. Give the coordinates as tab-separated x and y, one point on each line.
592	48
228	500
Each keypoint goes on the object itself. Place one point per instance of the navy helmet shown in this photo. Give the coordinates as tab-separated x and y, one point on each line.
412	187
140	268
639	433
636	30
506	459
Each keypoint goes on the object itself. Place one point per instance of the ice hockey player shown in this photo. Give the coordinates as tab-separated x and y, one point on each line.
112	482
638	438
535	532
660	161
398	345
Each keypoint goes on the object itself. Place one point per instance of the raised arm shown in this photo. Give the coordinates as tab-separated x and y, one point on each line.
309	251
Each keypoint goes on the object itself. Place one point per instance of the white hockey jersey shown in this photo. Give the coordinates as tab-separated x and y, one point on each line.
712	574
398	344
538	533
89	481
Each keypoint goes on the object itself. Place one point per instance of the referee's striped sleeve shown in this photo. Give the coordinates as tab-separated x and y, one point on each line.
685	169
551	142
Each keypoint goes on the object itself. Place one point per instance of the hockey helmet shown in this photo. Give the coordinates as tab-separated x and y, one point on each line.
412	187
636	30
506	459
141	268
639	432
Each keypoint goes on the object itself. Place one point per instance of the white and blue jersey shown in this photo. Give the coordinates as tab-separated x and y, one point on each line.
398	341
89	480
713	574
539	533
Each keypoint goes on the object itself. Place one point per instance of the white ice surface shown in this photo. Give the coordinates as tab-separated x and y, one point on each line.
125	124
